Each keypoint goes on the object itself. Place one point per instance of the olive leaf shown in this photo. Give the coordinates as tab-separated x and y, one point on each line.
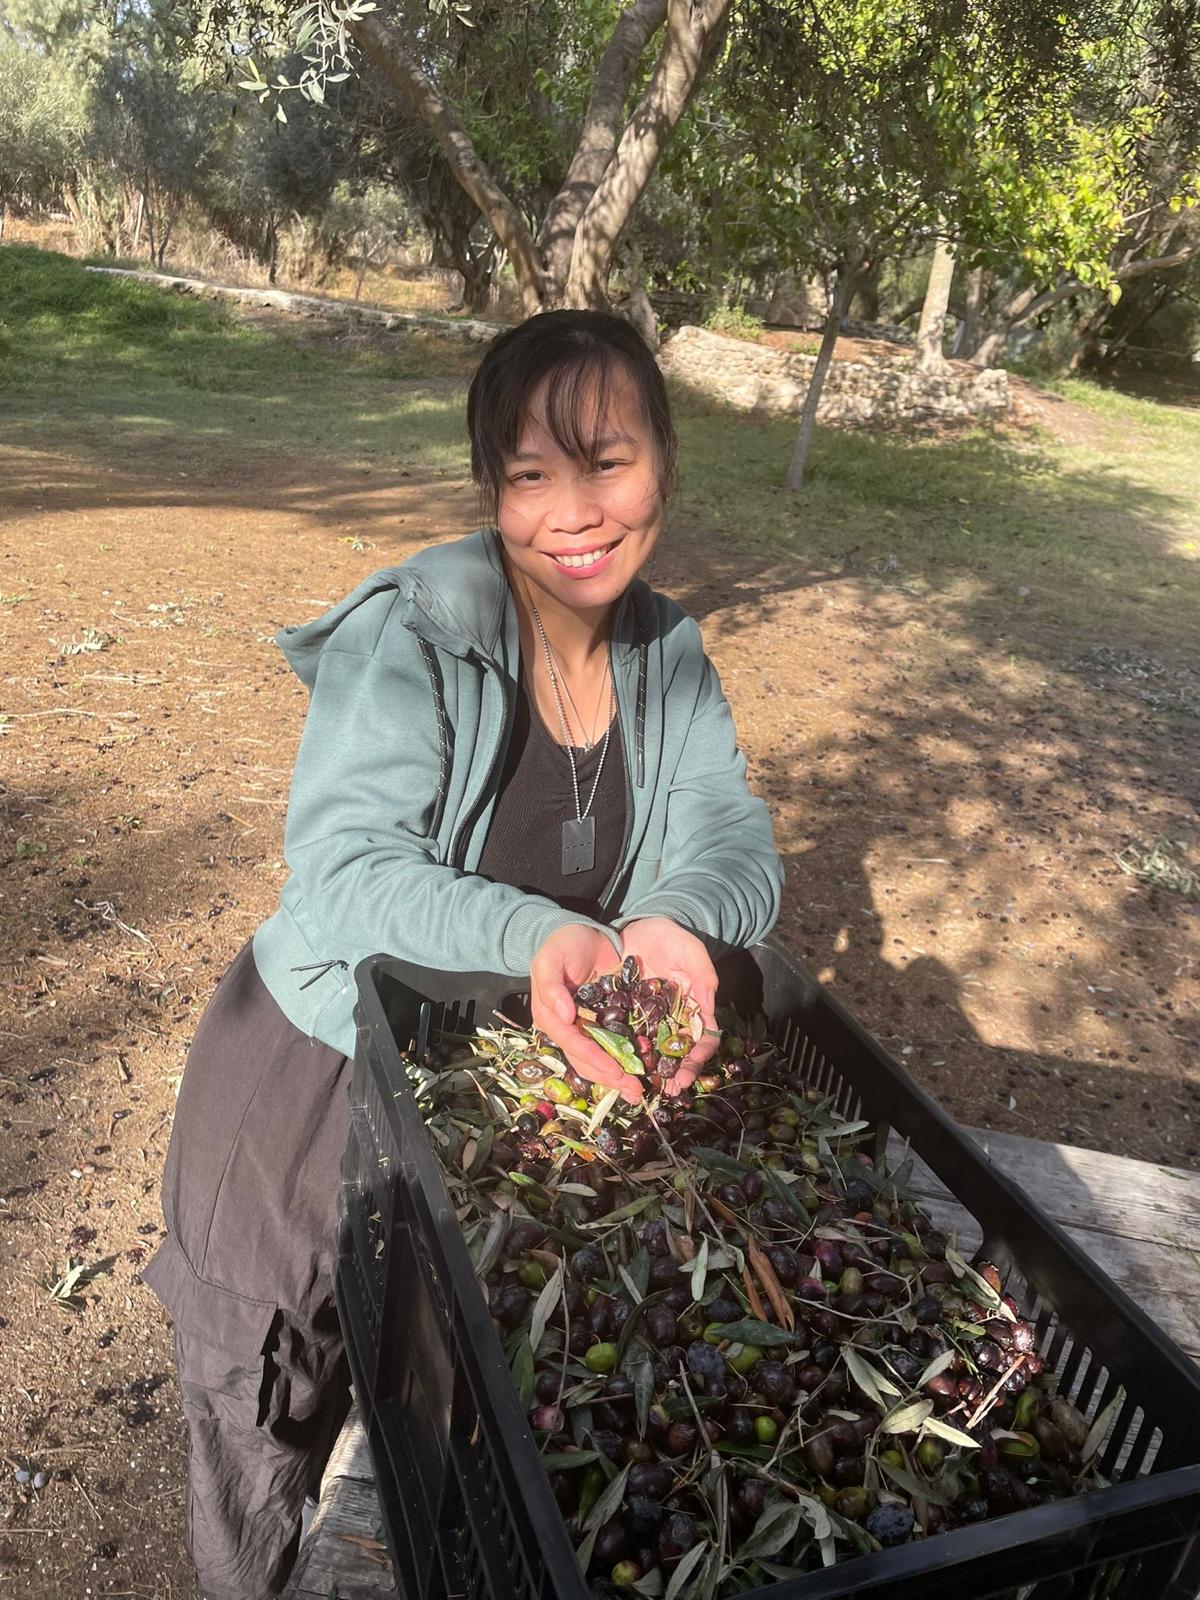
606	1505
936	1367
685	1569
700	1269
568	1460
543	1306
621	1050
1100	1427
639	1369
522	1371
483	1150
913	1485
871	1381
986	1295
907	1418
651	1586
490	1249
761	1334
782	1191
627	1280
775	1529
864	1376
718	1161
603	1106
952	1435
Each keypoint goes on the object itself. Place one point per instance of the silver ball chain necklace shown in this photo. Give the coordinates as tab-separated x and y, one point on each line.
578	836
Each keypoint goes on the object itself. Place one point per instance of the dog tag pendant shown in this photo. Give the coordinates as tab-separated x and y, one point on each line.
578	846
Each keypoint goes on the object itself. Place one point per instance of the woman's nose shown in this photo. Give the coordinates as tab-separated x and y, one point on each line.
576	506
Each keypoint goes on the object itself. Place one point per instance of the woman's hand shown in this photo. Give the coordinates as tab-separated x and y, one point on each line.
665	950
568	958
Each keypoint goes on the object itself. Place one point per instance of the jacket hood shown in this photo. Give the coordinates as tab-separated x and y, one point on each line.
455	595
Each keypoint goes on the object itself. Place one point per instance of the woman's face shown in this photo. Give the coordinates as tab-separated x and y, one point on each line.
581	533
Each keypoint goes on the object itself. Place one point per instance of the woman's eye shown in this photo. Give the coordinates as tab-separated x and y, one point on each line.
604	466
527	477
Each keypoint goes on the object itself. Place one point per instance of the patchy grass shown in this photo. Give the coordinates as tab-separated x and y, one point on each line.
144	359
1118	515
1108	520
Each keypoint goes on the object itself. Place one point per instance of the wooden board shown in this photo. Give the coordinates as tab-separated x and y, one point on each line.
1139	1223
341	1559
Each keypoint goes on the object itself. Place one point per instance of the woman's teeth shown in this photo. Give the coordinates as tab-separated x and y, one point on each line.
588	560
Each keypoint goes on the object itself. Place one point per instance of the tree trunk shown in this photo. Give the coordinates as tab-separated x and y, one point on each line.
972	325
932	327
385	50
637	308
363	262
272	247
598	137
695	30
867	293
842	296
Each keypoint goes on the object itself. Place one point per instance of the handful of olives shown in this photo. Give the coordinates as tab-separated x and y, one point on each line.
645	1023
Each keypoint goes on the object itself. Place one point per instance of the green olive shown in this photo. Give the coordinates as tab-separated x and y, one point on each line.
601	1358
741	1357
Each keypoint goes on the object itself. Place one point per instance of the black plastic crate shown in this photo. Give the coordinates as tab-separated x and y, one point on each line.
467	1508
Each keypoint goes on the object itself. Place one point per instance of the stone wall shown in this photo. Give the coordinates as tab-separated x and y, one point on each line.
760	378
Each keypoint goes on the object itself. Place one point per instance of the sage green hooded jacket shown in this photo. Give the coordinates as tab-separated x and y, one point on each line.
413	681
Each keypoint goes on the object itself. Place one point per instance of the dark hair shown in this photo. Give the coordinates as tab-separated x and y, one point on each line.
576	354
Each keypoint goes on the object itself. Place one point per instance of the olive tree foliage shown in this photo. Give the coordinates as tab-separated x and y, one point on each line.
560	192
40	129
845	132
1117	201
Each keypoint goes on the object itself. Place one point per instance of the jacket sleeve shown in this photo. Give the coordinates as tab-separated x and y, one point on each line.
721	875
357	835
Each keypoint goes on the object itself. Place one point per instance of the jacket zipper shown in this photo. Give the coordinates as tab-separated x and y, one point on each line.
619	870
472	811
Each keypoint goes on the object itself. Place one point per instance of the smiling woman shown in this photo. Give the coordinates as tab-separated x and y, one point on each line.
517	758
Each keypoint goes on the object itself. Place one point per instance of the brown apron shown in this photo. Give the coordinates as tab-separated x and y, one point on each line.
246	1274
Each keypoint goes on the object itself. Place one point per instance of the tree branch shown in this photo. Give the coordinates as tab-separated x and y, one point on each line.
386	52
599	134
695	29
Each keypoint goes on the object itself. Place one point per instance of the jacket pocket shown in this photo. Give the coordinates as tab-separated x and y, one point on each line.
221	1336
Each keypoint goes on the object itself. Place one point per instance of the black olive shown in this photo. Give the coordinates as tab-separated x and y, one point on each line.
608	1143
588	1263
723	1310
511	1304
681	1438
642	1515
664	1273
675	1538
649	1479
611	1543
705	1360
659	1323
774	1382
891	1524
608	1442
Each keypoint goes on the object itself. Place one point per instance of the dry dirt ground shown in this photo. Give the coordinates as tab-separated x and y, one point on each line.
948	800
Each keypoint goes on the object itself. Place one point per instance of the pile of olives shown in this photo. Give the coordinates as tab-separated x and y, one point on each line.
725	1288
